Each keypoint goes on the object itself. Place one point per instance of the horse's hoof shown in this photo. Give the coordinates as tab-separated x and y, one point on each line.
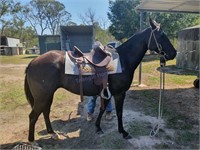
128	137
99	132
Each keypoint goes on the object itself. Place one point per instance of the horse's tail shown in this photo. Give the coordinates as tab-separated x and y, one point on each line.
28	93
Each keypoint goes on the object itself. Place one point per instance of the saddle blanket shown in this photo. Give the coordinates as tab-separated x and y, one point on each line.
71	67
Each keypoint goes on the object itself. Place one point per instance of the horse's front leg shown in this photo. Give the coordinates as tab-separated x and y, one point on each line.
104	104
119	102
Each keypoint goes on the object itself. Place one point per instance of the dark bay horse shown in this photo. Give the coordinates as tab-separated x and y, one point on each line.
46	73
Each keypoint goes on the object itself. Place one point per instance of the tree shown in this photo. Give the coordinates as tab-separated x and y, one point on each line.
34	13
57	17
89	17
7	10
25	34
123	17
102	35
172	23
46	14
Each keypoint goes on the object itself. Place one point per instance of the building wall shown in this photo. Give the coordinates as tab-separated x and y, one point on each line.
13	51
49	42
188	48
82	41
80	36
10	46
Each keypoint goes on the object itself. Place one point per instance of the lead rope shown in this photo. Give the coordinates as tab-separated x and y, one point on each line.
156	128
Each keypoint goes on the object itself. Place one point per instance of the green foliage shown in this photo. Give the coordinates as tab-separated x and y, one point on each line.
8	9
103	35
172	23
25	34
39	14
123	17
12	23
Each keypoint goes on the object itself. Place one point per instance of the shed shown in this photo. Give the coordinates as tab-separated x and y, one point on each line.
188	48
80	36
49	42
10	46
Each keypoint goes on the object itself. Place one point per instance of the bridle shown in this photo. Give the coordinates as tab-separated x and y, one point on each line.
159	46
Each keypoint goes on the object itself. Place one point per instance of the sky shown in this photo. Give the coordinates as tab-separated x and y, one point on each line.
77	7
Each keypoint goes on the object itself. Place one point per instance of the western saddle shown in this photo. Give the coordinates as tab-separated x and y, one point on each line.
99	58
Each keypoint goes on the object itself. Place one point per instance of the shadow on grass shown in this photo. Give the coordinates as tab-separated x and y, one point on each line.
172	69
30	57
150	57
77	133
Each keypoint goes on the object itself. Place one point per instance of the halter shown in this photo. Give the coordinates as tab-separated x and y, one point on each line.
159	46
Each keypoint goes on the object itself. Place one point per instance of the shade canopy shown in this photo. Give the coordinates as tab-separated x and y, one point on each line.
176	6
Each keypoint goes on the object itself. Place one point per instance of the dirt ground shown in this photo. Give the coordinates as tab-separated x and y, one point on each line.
69	121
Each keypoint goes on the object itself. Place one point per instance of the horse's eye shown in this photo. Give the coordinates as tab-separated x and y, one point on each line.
162	33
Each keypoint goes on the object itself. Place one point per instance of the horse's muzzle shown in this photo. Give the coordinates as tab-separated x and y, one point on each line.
171	56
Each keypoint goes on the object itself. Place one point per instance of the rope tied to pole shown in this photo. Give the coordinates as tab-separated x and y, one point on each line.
156	128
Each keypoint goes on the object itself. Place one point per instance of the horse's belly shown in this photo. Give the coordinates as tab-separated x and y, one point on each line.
72	84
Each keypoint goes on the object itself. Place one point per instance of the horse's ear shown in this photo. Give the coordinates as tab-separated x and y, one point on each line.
153	26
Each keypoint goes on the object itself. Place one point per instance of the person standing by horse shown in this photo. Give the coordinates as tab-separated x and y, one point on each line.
91	106
92	99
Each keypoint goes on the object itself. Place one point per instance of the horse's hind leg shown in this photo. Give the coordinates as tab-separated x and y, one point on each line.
104	104
46	113
33	117
39	108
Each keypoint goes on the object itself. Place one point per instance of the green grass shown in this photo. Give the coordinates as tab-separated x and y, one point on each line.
137	129
186	138
151	75
12	83
117	142
12	95
16	59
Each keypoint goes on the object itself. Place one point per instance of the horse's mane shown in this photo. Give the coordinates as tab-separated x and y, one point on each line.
130	40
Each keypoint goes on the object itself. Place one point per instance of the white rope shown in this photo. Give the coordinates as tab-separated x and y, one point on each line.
156	128
152	33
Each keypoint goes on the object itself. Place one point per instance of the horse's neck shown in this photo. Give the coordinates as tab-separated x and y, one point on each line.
132	51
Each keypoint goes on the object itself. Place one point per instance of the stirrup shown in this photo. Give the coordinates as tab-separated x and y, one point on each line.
106	97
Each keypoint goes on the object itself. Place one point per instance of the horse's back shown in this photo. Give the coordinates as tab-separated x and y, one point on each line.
53	56
43	73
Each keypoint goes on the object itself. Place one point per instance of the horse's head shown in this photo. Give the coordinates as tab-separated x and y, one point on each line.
159	42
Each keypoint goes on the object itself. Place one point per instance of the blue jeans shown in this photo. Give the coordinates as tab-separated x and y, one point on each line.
92	103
